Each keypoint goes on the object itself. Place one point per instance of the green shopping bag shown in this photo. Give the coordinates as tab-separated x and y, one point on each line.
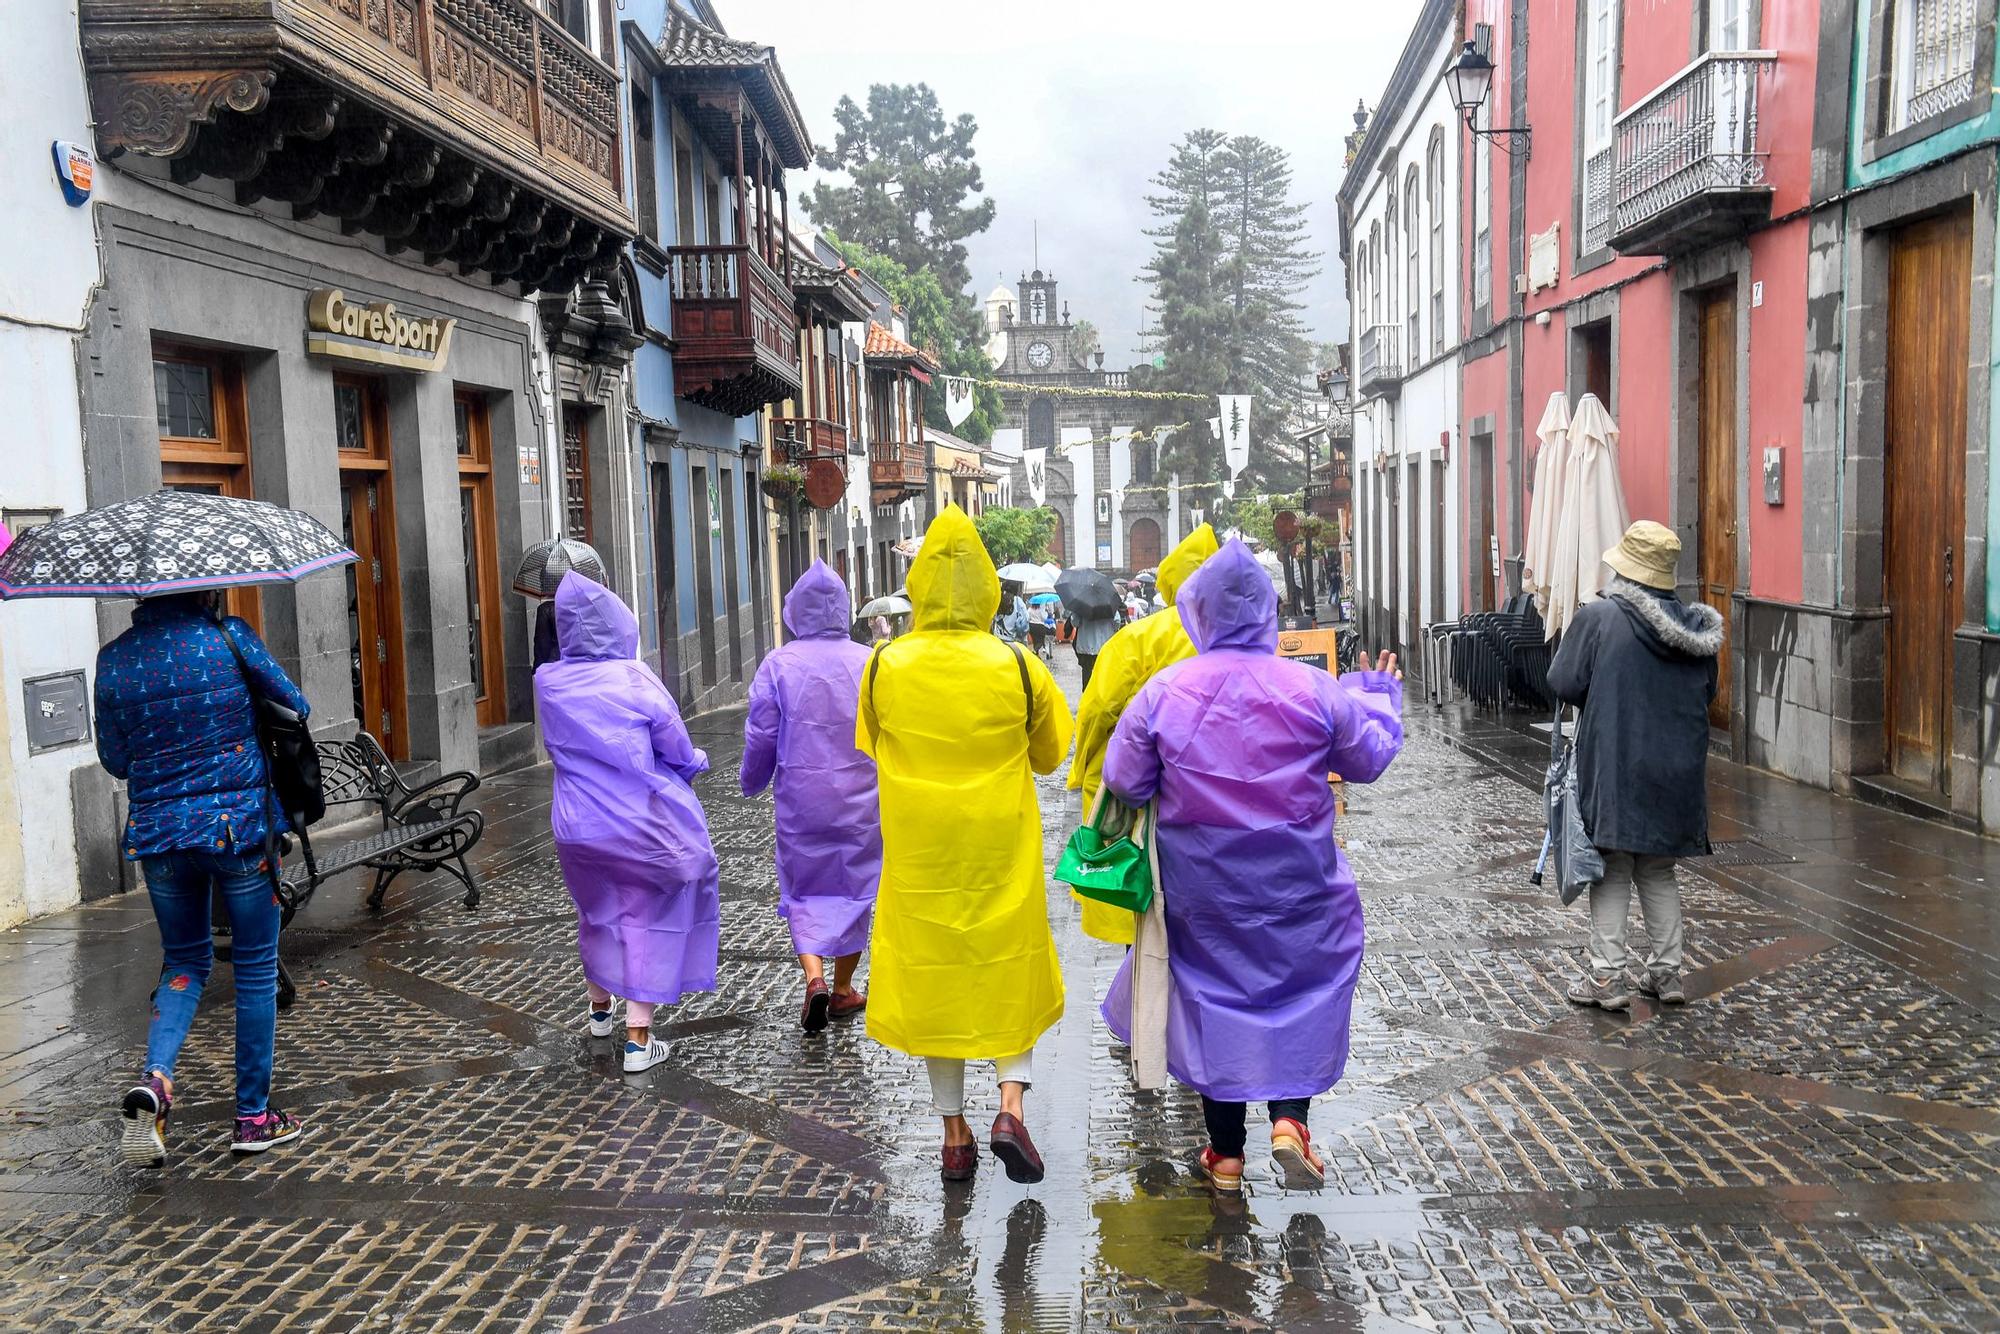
1106	858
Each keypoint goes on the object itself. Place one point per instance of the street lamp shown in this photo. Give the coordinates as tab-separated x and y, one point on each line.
1470	79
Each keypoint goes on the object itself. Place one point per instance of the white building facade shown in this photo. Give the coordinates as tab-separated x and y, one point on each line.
45	645
1400	215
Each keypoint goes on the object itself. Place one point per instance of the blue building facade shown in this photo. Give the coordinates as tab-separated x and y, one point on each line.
712	129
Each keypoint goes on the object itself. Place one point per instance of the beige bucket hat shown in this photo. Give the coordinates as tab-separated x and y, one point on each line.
1647	554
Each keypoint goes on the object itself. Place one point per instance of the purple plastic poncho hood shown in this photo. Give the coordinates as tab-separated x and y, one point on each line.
1264	930
629	830
800	733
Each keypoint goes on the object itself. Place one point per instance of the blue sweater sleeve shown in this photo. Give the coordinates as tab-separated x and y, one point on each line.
265	673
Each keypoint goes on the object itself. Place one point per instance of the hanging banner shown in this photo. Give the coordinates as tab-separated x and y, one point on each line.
1235	421
1229	489
1162	434
1037	461
958	395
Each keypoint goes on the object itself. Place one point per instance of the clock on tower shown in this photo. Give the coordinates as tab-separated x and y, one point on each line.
1040	355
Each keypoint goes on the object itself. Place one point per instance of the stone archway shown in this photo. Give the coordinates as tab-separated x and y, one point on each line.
1056	543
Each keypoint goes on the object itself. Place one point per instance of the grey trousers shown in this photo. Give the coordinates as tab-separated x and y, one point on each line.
1611	911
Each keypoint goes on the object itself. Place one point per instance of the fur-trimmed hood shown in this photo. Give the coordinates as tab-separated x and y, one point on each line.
1668	626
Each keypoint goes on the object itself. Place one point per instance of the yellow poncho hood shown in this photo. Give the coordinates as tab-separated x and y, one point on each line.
953	585
1131	658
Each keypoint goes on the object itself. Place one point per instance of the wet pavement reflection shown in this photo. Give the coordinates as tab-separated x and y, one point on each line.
1814	1140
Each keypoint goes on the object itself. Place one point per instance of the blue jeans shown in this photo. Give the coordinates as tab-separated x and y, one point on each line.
179	883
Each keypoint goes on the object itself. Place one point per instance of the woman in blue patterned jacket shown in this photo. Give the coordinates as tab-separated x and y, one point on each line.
174	720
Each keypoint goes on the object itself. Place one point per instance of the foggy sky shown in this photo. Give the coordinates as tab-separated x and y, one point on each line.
1079	103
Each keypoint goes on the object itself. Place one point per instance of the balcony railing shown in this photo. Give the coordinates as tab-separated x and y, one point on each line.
735	329
897	466
1599	208
1689	165
1943	43
806	438
477	131
1117	379
1381	359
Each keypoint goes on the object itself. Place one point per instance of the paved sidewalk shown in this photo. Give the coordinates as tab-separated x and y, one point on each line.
1814	1140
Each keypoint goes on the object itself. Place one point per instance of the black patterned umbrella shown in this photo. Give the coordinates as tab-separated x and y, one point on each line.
168	542
544	565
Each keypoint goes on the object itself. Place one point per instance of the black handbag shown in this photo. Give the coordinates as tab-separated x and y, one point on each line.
291	760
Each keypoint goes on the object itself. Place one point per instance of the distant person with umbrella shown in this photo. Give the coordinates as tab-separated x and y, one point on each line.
176	697
1093	604
1129	661
799	733
541	572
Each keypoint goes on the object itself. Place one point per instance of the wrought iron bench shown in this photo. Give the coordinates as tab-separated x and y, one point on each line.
424	829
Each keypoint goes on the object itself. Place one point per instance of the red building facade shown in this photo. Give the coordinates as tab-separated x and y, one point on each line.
1647	243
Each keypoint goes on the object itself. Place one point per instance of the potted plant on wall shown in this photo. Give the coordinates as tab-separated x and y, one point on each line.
783	481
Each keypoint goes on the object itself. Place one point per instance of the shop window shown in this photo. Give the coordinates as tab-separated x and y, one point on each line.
1042	424
478	531
684	233
205	436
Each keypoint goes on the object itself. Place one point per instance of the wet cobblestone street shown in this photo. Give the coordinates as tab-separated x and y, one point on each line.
1813	1141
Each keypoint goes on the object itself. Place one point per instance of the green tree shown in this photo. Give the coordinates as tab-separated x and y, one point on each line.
1229	268
1016	535
943	323
912	181
1084	340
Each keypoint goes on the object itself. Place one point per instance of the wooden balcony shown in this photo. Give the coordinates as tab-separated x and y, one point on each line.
477	132
735	333
803	439
1688	160
897	469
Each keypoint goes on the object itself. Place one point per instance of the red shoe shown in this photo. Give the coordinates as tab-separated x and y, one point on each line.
1210	1165
1291	1149
850	1005
819	998
961	1162
1011	1145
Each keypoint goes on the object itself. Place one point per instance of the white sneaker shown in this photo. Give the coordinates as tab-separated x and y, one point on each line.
602	1023
638	1058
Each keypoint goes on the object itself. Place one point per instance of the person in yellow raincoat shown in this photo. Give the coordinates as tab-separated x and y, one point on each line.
964	964
1132	657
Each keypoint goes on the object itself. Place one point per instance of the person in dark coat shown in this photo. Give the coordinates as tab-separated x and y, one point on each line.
175	721
1641	666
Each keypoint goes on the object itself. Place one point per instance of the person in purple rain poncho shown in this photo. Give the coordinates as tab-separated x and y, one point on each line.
801	729
629	831
1263	920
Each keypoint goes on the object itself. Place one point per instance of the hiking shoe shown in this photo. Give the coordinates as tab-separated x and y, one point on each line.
642	1057
1665	987
254	1134
1606	993
602	1023
143	1142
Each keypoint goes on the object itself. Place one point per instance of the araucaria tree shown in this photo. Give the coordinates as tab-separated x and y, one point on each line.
910	200
1229	267
912	181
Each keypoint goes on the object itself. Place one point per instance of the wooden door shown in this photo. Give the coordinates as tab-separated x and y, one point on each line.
1930	277
575	473
703	536
1437	540
1392	547
1716	423
486	654
1413	516
374	603
1142	545
1481	563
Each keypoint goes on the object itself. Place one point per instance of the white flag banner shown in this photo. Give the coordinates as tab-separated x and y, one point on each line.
1037	461
1160	438
1229	489
1235	421
958	394
1196	516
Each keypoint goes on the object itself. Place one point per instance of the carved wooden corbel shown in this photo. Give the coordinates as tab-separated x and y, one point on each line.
156	112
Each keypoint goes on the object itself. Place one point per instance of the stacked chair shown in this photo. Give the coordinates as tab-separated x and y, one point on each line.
1498	660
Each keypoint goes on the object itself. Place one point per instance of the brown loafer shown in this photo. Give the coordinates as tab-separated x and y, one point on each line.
1015	1150
819	999
961	1162
850	1005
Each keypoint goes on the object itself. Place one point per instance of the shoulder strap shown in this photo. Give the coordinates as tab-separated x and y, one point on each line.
271	855
1027	686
